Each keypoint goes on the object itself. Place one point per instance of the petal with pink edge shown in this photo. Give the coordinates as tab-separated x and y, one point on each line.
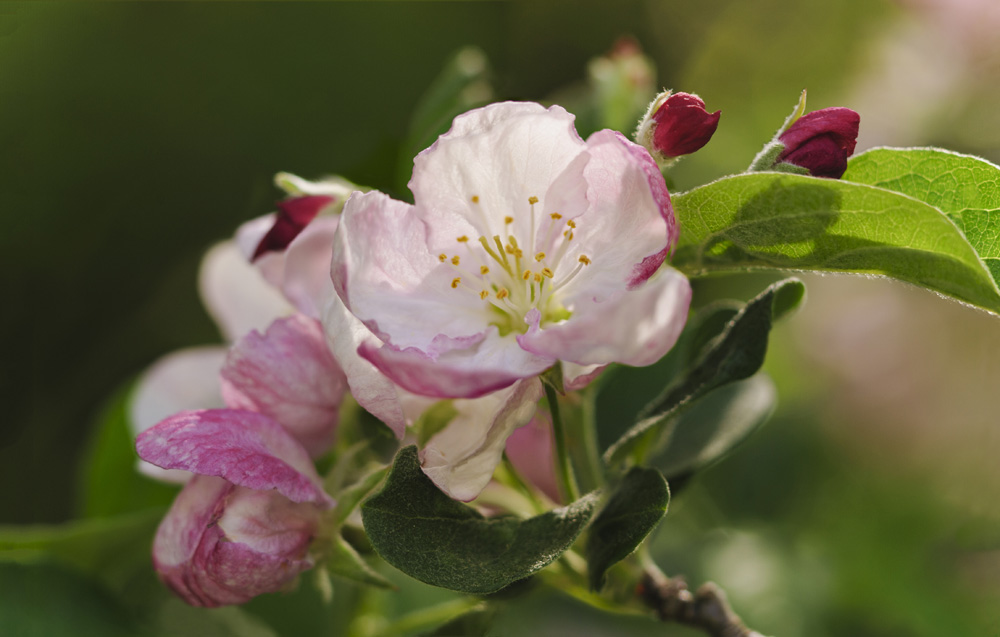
289	374
461	458
634	327
243	447
387	276
491	364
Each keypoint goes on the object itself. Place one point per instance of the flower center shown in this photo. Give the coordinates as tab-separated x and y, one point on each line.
515	276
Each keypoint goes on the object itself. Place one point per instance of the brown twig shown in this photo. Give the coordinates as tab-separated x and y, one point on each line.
706	608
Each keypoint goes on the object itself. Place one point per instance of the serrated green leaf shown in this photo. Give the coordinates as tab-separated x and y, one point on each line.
735	354
109	483
633	511
427	535
715	424
343	561
964	187
773	220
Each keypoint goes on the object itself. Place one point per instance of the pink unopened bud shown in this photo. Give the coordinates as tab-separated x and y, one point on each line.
245	522
294	215
821	141
676	124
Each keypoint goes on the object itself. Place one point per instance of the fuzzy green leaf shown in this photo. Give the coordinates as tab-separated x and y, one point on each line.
715	424
783	221
633	511
737	353
427	535
964	187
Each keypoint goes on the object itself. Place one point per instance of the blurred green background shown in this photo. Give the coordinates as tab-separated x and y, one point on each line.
134	135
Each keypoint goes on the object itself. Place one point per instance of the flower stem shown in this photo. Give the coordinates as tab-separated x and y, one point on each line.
564	468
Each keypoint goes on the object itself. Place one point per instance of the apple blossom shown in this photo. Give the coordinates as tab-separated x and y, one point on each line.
526	246
244	524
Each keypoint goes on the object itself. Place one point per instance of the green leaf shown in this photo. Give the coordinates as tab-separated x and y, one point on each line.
633	511
715	424
429	536
773	220
49	600
462	84
434	419
344	561
109	482
622	391
964	187
115	549
735	354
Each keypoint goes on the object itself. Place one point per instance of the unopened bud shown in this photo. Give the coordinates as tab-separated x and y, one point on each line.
821	141
676	124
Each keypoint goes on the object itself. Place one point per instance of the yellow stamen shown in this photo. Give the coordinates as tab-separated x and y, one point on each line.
484	270
503	293
484	294
571	223
537	277
569	235
509	249
462	239
532	200
442	257
475	198
540	256
556	216
455	260
508	220
455	282
547	272
584	259
526	275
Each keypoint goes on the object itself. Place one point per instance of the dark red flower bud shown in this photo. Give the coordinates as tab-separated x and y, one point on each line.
676	124
821	141
294	215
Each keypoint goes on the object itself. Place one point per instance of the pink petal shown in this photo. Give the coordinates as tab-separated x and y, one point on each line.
236	295
289	375
502	154
246	448
200	557
306	279
462	457
530	449
494	363
635	327
185	379
388	278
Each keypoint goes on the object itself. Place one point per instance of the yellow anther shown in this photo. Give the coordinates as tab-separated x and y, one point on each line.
442	257
455	282
556	216
503	293
526	275
532	200
540	256
518	253
484	294
571	223
584	259
509	249
455	260
462	239
569	235
547	272
475	198
508	220
537	277
484	270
